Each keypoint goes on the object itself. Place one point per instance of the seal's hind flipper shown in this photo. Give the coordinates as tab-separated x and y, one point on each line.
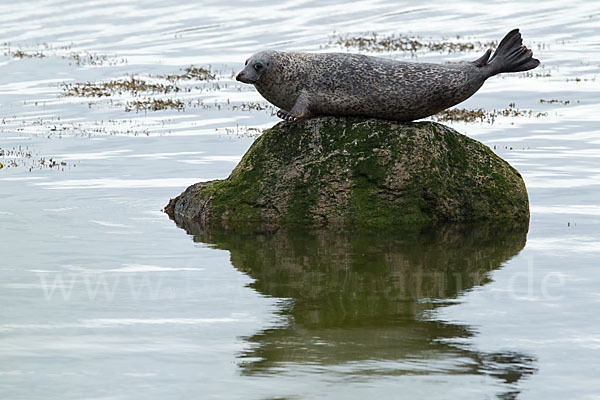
512	56
480	62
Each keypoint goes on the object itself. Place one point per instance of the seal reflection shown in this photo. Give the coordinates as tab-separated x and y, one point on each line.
361	296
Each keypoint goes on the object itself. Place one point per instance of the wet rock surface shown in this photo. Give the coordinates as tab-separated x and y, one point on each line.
359	172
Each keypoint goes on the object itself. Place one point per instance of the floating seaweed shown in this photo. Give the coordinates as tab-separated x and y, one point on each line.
64	52
20	156
108	88
556	101
409	44
481	115
241	131
136	86
191	72
22	54
150	104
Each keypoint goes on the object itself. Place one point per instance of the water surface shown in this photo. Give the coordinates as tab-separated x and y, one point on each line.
103	297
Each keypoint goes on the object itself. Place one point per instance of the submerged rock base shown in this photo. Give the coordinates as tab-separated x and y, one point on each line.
358	171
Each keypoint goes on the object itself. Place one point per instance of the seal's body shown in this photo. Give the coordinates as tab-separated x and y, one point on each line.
307	84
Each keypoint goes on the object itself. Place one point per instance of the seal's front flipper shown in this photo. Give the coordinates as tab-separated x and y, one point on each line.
291	116
286	116
299	111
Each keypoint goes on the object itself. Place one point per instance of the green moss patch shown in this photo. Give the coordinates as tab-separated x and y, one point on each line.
361	172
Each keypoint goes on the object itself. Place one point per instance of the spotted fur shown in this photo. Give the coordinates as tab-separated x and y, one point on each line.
307	84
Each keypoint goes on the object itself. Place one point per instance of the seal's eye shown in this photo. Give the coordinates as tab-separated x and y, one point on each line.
246	62
258	66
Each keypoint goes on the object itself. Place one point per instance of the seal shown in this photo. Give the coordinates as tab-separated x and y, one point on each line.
342	84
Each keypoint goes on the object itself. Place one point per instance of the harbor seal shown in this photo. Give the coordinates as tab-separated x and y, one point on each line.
309	84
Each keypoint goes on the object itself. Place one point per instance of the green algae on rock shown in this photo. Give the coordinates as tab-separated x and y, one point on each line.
359	172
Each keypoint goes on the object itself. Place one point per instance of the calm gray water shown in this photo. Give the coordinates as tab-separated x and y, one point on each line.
103	297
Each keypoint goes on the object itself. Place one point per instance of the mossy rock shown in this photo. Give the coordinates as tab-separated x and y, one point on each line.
359	172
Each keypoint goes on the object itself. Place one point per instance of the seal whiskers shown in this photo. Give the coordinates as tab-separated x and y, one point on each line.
308	84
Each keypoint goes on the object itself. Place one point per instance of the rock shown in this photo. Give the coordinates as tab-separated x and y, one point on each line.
359	172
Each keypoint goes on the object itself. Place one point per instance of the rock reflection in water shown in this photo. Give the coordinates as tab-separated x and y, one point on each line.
358	300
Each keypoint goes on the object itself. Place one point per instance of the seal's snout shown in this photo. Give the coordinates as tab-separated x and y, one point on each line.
243	77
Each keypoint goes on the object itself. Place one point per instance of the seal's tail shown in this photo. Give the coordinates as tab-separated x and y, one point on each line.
510	56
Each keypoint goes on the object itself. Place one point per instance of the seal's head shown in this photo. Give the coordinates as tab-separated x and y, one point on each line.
257	67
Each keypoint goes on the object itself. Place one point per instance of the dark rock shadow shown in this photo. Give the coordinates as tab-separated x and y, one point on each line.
353	297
